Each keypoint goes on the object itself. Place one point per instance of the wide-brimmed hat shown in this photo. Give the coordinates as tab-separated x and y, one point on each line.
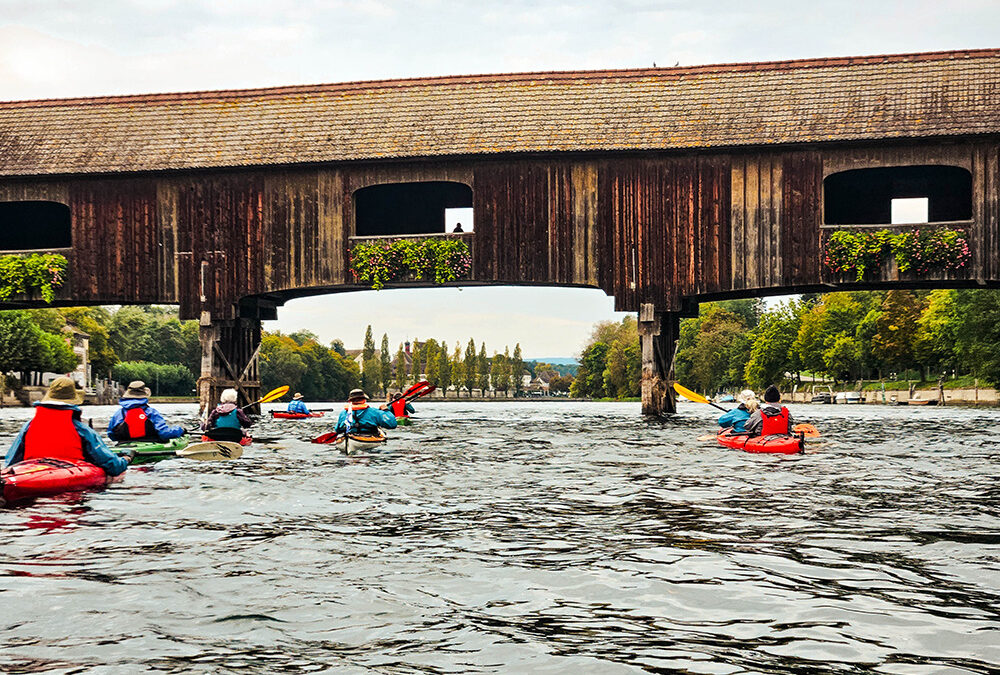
356	394
297	396
136	389
63	390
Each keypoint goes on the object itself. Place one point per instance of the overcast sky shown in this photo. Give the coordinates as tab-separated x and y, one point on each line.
62	48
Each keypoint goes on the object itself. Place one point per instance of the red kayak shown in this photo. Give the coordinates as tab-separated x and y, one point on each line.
244	440
784	444
294	416
41	477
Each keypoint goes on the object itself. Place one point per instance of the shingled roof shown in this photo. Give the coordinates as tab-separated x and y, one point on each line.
842	99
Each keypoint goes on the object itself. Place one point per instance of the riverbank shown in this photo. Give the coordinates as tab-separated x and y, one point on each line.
974	396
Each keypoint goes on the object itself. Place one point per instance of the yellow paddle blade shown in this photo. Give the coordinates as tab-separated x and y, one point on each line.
690	395
274	394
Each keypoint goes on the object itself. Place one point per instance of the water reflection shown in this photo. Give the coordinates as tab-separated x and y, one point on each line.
526	538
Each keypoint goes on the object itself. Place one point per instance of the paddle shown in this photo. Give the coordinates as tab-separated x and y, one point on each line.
213	450
330	437
272	395
413	388
697	398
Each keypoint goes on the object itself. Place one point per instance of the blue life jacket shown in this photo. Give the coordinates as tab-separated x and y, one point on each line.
228	421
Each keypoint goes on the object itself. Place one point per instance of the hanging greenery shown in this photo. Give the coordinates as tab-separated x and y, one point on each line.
919	251
437	260
28	274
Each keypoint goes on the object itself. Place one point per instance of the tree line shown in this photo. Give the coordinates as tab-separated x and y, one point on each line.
133	342
845	337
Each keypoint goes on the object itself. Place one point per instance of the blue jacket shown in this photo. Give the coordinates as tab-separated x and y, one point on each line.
367	421
94	449
163	430
298	407
735	418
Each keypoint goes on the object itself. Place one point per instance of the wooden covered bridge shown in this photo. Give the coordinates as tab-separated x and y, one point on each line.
663	187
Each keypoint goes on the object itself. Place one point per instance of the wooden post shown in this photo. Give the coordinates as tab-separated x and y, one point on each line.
229	359
658	337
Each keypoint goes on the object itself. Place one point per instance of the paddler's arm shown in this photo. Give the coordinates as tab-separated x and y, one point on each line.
387	419
242	417
97	453
755	423
409	408
341	422
164	430
16	452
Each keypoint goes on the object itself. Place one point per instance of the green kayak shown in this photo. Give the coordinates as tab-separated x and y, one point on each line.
403	421
153	451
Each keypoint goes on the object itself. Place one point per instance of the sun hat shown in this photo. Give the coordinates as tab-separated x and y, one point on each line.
297	396
63	390
136	389
356	394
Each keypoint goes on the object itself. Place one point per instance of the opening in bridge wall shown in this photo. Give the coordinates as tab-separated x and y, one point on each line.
411	208
866	196
26	226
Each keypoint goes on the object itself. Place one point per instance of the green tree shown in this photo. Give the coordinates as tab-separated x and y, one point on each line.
771	354
897	327
843	358
163	379
94	322
517	370
370	369
589	381
444	367
57	356
979	332
483	369
20	343
400	371
385	364
430	355
718	356
280	362
458	369
471	371
938	331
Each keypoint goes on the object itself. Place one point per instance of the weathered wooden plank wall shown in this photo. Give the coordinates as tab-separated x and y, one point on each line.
646	229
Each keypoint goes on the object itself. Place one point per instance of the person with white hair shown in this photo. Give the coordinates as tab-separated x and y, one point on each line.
226	421
737	417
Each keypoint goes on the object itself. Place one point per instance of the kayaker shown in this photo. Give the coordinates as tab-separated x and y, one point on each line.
772	418
399	406
226	421
297	406
137	420
737	417
362	418
56	432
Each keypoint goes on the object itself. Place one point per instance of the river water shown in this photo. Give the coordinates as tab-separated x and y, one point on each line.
525	538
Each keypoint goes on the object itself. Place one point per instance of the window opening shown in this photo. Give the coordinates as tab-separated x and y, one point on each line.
869	196
410	208
34	225
910	210
458	220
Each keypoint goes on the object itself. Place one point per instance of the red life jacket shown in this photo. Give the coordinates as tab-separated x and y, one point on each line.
774	423
398	407
135	425
51	434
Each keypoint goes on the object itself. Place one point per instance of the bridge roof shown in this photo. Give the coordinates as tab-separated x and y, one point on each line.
730	105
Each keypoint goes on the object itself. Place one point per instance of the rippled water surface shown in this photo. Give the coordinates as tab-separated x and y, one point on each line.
544	538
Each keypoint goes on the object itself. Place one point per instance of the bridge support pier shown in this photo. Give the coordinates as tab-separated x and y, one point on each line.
229	359
658	333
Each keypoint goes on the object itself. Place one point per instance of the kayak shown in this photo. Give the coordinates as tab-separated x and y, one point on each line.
403	421
357	444
152	451
785	444
42	477
294	416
